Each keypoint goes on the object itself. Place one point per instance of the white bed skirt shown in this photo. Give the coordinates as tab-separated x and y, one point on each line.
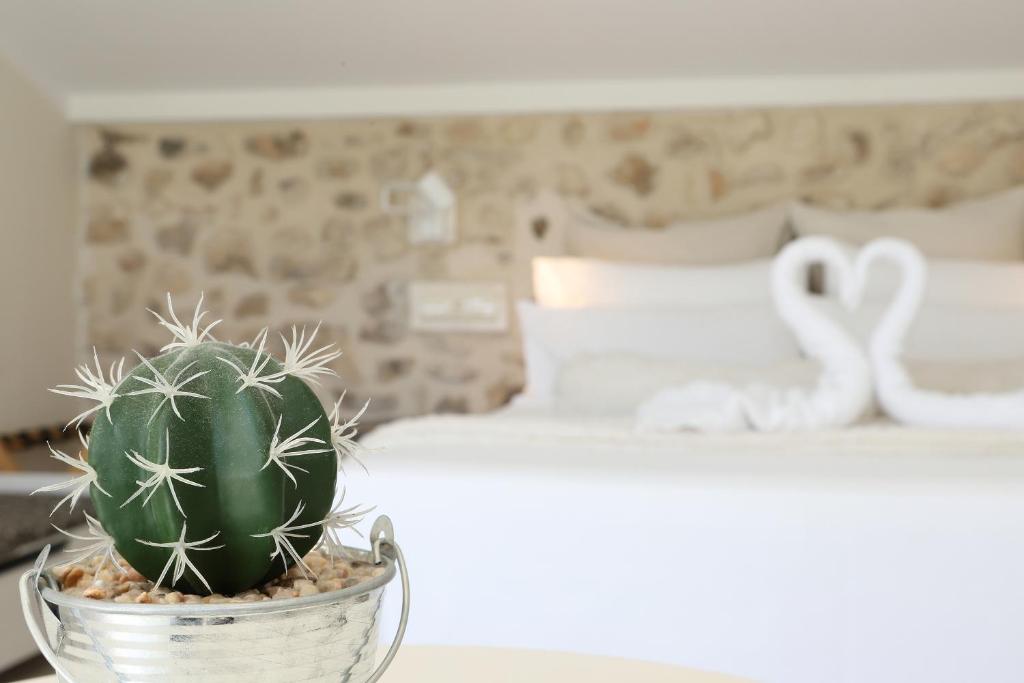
820	558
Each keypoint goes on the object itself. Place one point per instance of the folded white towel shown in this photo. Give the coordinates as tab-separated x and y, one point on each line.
897	394
699	406
843	391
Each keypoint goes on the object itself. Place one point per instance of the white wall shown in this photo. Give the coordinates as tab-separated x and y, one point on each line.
37	248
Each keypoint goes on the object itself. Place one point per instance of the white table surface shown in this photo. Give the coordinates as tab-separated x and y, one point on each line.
497	665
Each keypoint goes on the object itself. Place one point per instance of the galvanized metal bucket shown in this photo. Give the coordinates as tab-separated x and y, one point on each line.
326	637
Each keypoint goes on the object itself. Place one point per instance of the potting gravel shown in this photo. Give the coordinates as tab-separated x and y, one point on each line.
98	579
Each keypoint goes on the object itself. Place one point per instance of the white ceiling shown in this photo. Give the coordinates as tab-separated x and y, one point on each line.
76	47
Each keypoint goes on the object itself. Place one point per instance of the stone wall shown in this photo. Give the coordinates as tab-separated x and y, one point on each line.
279	223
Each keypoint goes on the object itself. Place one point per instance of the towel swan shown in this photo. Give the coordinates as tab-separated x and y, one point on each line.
894	387
843	391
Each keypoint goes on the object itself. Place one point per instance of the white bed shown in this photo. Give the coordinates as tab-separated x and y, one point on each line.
872	554
875	553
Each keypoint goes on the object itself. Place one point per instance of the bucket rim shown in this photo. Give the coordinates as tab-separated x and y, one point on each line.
56	597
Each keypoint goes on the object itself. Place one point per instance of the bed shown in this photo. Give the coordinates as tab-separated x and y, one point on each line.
877	553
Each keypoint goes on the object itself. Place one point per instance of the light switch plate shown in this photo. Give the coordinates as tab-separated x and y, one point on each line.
456	306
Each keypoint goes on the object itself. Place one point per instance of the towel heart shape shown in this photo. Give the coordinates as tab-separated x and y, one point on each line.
849	375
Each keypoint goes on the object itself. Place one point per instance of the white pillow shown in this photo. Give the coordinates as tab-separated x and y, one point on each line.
568	282
745	335
951	334
616	384
950	282
989	229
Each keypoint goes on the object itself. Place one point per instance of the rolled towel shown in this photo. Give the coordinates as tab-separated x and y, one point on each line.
897	394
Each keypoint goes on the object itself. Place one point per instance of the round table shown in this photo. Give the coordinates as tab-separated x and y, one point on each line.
420	664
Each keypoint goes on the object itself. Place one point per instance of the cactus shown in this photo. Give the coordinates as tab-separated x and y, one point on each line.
212	467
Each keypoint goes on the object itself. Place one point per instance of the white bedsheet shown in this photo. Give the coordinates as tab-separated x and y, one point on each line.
872	554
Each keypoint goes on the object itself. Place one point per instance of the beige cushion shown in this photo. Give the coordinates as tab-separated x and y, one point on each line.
990	229
755	235
995	376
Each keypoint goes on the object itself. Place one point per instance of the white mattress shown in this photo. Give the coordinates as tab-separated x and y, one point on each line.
599	436
876	554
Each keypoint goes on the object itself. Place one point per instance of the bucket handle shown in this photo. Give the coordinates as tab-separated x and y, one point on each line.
382	536
32	606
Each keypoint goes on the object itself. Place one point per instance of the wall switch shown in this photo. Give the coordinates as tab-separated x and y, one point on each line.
455	306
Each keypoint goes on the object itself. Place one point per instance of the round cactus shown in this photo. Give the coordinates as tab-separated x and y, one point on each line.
212	467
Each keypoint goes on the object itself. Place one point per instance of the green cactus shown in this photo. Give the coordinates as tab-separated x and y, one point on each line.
212	467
